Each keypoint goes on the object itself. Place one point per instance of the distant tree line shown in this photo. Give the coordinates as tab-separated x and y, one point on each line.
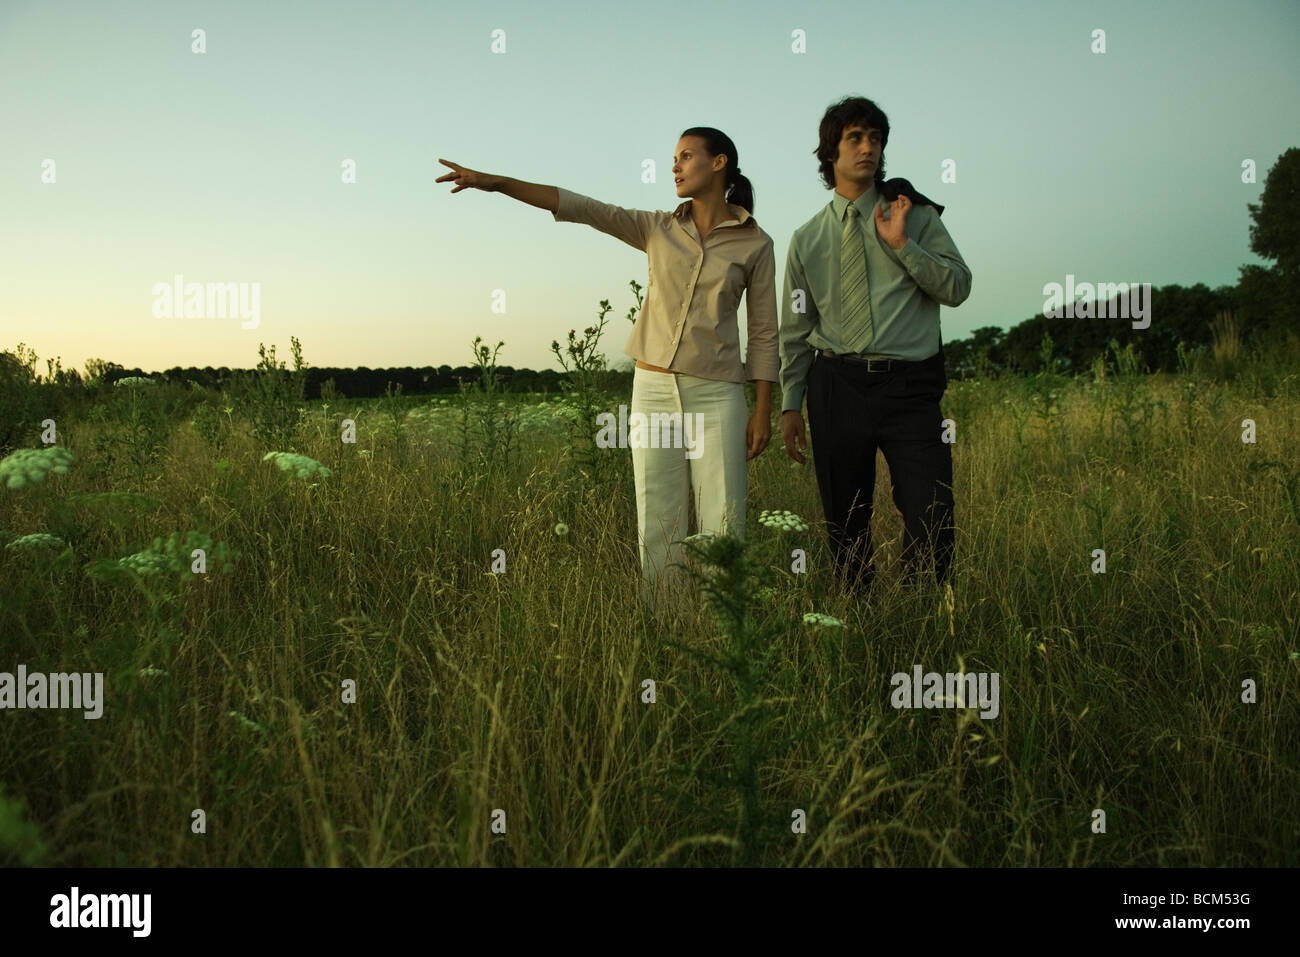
363	382
1262	305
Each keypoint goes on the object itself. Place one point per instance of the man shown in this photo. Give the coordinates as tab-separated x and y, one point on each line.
860	337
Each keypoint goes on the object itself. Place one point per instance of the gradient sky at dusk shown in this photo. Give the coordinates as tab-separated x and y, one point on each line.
225	167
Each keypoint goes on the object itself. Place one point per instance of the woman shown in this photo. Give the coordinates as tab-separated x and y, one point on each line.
685	341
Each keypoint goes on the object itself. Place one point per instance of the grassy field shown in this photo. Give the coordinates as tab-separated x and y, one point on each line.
503	718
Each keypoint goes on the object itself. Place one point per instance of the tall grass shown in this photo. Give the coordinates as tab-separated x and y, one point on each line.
523	692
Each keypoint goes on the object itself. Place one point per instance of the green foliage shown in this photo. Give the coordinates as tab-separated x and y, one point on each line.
1275	232
21	843
20	399
480	691
135	424
488	425
751	715
587	394
1287	477
212	420
271	396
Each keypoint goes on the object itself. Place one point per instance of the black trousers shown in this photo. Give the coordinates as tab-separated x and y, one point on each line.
851	413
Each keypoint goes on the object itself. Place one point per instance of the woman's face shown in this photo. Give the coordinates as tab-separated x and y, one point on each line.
693	167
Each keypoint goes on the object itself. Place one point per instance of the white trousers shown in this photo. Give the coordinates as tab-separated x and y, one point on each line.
714	471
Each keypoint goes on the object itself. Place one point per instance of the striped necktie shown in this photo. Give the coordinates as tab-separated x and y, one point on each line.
855	300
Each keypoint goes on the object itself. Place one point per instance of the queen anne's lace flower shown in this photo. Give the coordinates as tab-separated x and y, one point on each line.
150	563
817	618
300	465
783	520
701	539
173	554
31	465
38	540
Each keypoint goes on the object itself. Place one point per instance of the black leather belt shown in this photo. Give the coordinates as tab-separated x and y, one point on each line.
873	364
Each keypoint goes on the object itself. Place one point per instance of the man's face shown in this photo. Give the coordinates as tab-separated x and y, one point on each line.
859	155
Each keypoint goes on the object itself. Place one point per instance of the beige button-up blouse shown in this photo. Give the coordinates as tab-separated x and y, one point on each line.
688	319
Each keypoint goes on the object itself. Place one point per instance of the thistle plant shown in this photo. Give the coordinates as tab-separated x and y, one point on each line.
271	396
137	421
1100	389
1130	394
1047	385
726	571
585	395
212	421
585	366
489	427
395	413
1189	380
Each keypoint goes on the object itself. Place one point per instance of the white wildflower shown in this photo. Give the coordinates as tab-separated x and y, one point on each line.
300	465
783	520
31	465
38	540
817	618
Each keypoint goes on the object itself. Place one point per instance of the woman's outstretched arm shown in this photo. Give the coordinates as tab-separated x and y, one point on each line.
534	194
632	226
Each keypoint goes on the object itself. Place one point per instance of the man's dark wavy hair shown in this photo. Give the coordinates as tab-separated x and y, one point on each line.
850	111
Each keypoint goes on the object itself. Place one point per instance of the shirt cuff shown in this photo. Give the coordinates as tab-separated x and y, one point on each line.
565	205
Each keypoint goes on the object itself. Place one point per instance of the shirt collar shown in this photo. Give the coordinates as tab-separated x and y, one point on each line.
866	203
741	214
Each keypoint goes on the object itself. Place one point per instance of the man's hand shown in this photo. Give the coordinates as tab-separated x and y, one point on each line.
894	232
792	431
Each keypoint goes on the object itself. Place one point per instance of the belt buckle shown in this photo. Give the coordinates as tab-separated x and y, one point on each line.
872	359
